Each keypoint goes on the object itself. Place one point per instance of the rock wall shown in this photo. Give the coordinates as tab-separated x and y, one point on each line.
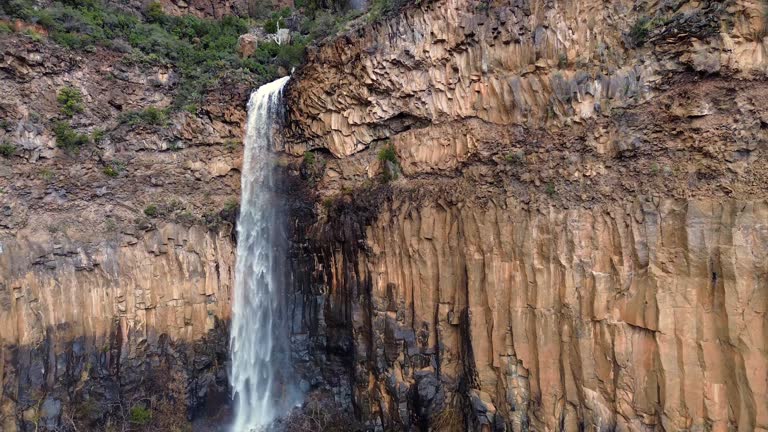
89	329
541	216
648	316
510	63
115	260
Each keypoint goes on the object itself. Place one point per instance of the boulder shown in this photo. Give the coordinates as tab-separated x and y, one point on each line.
247	44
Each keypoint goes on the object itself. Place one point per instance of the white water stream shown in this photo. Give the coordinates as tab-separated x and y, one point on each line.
259	344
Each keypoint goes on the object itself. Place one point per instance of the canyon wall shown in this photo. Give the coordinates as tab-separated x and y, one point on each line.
116	259
506	215
643	316
94	328
541	216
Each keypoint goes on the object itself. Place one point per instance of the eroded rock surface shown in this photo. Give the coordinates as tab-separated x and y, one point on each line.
115	260
570	234
647	316
95	328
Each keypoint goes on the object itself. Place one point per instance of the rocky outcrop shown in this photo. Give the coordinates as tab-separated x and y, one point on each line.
115	259
506	63
640	317
90	330
536	216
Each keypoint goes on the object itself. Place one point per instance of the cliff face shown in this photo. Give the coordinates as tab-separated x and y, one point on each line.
115	259
94	328
644	316
509	215
570	234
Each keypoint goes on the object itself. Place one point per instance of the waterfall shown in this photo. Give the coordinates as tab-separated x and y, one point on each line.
259	343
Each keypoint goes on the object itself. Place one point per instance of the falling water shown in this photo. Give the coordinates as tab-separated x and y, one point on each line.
259	343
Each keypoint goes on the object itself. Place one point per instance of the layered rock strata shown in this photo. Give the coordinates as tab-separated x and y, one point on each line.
570	234
115	259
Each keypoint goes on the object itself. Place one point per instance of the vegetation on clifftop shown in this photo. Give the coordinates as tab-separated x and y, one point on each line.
202	51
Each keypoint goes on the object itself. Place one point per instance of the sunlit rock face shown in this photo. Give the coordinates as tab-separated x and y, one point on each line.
104	304
618	317
90	326
575	239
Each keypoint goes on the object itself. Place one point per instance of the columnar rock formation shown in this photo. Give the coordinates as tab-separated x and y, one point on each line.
115	285
576	237
516	215
646	316
89	326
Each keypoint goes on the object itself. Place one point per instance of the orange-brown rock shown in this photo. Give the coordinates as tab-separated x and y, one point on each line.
509	63
639	317
87	323
573	235
104	304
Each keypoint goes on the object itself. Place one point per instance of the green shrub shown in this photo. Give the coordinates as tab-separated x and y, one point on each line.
290	56
67	138
202	52
46	174
550	189
382	8
140	416
151	210
155	12
232	145
270	26
517	156
17	8
34	35
7	149
323	24
151	116
98	135
81	3
70	101
111	171
391	165
5	28
110	225
388	154
309	158
482	7
313	6
231	205
71	40
642	28
378	9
